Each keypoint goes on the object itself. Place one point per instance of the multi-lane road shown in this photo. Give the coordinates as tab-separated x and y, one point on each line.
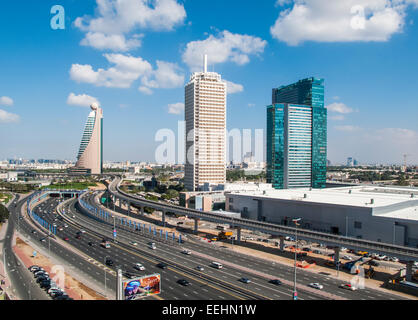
87	257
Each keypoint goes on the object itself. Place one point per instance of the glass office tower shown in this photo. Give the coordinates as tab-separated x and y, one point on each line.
297	136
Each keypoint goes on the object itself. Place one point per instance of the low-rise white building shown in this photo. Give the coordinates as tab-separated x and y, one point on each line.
380	214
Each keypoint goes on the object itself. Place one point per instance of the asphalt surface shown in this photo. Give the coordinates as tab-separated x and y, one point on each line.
23	284
69	258
210	284
331	285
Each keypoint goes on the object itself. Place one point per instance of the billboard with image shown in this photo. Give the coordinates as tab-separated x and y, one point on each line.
138	288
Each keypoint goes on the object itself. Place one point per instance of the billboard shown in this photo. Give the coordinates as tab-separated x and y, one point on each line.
141	287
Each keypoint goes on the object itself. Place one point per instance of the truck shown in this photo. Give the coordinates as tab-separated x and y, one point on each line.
225	235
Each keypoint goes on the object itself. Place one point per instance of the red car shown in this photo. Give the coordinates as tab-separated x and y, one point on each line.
66	239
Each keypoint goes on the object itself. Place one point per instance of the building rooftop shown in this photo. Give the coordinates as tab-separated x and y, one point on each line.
358	196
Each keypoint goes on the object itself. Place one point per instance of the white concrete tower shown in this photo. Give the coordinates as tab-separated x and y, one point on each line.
205	116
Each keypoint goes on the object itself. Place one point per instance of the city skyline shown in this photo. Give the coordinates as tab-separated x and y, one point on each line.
370	103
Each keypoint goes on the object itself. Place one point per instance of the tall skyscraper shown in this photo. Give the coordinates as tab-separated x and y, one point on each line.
205	116
297	136
90	154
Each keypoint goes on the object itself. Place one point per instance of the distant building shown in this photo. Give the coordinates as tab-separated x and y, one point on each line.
350	162
297	136
205	116
90	154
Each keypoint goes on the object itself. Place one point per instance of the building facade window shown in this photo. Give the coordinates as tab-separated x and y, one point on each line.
357	224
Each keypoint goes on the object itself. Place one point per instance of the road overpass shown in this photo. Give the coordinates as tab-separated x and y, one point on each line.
407	254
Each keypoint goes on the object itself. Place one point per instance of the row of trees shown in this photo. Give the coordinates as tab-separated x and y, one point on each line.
4	213
237	174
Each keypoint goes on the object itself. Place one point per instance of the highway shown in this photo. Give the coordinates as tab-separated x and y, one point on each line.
22	280
403	253
276	270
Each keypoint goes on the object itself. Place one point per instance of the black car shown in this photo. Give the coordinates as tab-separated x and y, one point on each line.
183	282
275	281
42	278
109	262
91	244
374	263
62	297
45	285
162	265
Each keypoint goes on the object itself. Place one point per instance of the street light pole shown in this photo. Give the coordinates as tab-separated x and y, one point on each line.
295	293
105	277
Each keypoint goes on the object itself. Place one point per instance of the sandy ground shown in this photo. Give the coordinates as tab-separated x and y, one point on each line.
74	288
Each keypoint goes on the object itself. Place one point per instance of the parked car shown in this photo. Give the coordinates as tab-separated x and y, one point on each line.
40	279
33	268
316	285
394	259
374	263
66	239
91	244
275	281
347	258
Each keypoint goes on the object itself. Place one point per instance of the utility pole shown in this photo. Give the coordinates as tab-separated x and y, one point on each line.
295	293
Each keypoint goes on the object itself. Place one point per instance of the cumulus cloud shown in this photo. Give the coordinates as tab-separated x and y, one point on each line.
176	108
115	42
6	101
167	75
225	46
82	100
116	20
232	88
125	70
340	21
7	117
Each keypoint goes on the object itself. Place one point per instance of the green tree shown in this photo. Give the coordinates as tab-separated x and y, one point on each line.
4	213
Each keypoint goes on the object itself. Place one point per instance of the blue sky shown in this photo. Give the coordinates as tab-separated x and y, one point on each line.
135	59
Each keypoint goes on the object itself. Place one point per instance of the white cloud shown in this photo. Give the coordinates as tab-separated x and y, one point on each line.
165	76
347	128
115	42
340	21
6	101
82	100
226	46
232	88
145	90
126	70
115	18
339	107
251	105
7	117
176	108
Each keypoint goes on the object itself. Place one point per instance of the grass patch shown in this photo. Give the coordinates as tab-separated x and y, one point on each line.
5	197
73	186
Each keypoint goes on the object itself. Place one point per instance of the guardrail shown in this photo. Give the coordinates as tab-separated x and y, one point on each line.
404	253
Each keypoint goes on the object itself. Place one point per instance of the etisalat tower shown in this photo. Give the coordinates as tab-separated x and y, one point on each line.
90	154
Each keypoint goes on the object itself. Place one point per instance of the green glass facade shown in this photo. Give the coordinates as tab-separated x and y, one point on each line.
287	127
308	92
275	145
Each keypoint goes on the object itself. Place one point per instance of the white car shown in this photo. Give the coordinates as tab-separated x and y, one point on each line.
416	264
133	243
188	252
316	286
139	266
394	259
347	258
82	231
65	225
